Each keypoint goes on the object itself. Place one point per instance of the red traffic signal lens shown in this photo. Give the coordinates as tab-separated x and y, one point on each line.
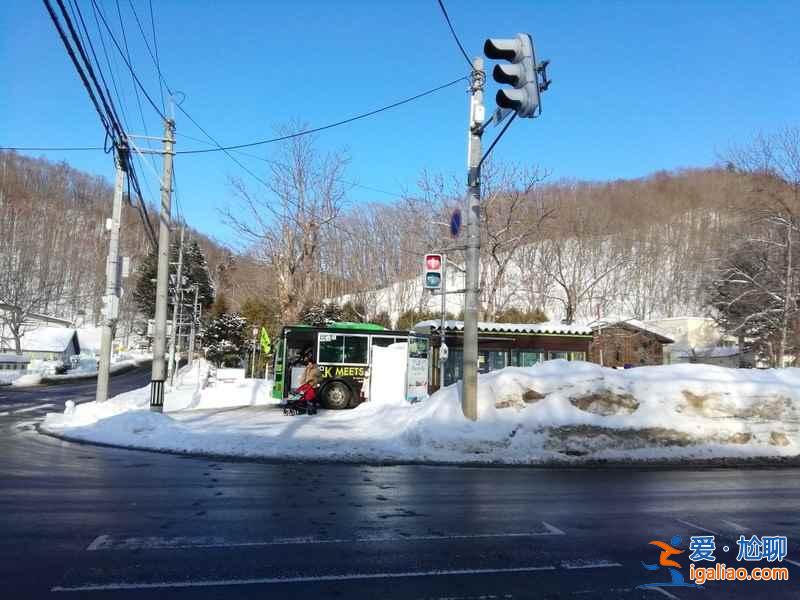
433	261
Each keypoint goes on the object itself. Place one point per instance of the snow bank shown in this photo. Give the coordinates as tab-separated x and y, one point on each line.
554	411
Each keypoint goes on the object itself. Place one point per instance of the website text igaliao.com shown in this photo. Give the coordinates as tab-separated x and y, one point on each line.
721	572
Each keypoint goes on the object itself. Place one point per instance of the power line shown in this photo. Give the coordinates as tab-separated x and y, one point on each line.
81	73
52	149
455	37
153	56
280	164
323	127
128	64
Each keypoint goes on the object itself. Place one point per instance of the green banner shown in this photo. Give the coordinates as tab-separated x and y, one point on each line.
265	344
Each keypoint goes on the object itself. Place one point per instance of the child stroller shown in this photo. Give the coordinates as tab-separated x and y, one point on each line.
302	401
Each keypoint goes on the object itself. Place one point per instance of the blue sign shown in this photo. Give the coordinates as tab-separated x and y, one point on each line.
455	223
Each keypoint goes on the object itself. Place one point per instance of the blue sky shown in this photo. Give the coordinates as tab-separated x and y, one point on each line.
637	86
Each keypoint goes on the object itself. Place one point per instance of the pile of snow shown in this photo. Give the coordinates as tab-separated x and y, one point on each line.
554	411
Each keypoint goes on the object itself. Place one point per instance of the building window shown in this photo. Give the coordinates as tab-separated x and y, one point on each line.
577	355
526	358
554	355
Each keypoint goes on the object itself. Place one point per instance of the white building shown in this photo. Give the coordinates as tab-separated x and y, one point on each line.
700	340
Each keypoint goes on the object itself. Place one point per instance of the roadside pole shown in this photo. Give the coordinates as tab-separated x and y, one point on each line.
177	298
253	354
469	395
111	298
162	281
443	324
192	328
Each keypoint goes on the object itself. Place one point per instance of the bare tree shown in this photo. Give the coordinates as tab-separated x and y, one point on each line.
285	226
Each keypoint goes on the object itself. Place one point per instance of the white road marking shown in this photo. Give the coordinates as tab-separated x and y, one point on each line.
96	587
98	542
695	526
793	562
736	526
589	564
552	529
664	592
106	542
32	408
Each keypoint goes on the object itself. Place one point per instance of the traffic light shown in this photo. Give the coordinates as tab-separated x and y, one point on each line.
433	271
523	73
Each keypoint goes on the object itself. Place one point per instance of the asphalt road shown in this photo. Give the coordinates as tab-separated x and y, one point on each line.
80	521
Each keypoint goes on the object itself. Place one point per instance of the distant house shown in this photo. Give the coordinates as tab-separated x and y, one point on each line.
51	343
700	340
721	356
627	343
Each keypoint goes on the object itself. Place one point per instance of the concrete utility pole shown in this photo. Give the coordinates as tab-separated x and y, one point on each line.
111	299
176	313
162	279
194	321
443	323
469	392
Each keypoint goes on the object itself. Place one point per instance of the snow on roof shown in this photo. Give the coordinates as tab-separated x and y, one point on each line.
552	327
635	323
47	339
13	358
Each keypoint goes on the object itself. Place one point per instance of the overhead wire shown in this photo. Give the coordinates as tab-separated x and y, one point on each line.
121	121
81	72
324	127
278	163
51	148
128	64
455	36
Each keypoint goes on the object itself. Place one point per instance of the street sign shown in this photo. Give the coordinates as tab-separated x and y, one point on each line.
455	223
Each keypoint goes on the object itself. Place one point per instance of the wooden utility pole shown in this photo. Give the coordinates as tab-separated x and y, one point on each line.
111	297
162	279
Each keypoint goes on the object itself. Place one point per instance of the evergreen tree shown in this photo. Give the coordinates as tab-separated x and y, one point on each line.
195	271
226	340
144	294
319	314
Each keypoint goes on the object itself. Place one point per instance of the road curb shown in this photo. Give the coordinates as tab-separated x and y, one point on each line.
666	465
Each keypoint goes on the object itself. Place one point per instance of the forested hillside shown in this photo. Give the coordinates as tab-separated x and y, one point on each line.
53	241
720	240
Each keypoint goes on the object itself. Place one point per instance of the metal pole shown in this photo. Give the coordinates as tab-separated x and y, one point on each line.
112	283
443	325
160	337
469	392
177	299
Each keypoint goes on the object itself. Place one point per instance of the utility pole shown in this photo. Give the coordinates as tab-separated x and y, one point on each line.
162	280
177	300
192	328
111	298
443	323
469	395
